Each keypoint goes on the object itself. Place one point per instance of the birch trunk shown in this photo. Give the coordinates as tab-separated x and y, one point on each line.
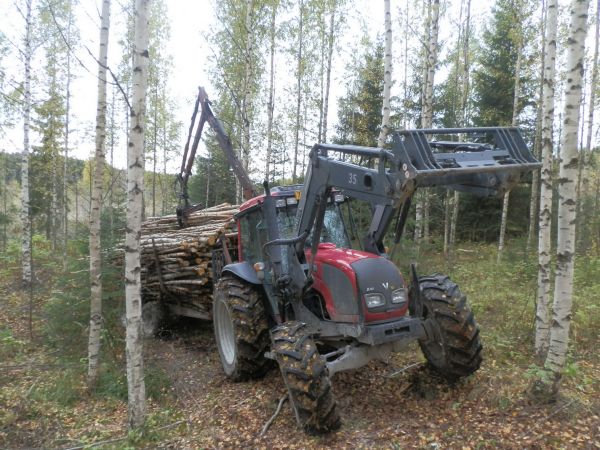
247	98
330	43
298	89
96	204
135	186
387	77
515	116
542	316
66	148
271	105
535	182
25	207
567	195
585	155
427	112
464	115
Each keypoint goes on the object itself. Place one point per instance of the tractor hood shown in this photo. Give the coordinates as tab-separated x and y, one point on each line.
344	276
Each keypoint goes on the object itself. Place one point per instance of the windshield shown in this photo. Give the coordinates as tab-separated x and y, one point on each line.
333	226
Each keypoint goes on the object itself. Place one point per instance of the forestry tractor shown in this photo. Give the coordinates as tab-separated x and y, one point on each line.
301	296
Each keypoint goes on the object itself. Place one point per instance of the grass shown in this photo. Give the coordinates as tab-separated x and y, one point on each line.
43	380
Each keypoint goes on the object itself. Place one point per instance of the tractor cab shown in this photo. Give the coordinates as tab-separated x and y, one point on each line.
252	224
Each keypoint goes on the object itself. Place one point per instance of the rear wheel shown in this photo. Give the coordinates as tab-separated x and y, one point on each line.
241	328
454	350
305	375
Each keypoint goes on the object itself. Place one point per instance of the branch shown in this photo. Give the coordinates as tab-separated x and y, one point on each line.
274	416
68	44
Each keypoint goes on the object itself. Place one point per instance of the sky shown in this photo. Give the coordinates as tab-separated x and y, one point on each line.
190	22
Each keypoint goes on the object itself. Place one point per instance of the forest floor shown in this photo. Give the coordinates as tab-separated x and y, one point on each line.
44	402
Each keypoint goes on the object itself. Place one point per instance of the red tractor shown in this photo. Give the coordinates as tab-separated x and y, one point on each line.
301	296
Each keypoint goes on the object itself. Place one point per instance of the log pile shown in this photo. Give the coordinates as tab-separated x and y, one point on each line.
177	262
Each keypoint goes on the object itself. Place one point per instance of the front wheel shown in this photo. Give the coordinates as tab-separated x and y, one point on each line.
305	375
454	350
241	328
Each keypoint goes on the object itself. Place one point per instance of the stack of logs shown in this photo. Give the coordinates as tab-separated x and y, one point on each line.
176	262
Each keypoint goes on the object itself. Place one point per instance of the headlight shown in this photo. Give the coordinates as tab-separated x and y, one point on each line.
399	296
374	300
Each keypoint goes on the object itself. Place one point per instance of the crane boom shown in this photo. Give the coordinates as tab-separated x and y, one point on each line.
189	156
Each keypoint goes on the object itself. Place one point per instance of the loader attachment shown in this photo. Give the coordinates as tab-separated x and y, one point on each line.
481	161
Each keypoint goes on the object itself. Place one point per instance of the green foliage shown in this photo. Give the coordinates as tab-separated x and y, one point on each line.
504	37
9	345
359	111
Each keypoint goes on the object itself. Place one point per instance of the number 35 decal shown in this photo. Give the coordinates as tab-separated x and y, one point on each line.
351	178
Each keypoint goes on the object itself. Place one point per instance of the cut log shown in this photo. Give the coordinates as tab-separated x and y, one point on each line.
177	262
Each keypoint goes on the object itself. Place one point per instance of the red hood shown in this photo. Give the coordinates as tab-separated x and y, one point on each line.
340	257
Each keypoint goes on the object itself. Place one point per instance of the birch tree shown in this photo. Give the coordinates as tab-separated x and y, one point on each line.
542	317
25	208
135	186
422	208
567	198
515	115
330	43
271	104
387	78
96	203
299	76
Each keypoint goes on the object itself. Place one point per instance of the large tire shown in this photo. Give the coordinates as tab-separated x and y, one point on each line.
455	350
306	377
241	328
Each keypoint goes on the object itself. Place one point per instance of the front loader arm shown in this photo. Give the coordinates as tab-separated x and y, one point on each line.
491	165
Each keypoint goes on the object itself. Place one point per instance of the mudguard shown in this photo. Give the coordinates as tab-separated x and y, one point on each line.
242	270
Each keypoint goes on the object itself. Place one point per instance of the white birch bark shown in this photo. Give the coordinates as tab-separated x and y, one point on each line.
135	186
422	208
432	52
387	77
535	182
567	194
96	204
515	116
247	96
271	105
298	88
26	276
542	317
331	41
66	147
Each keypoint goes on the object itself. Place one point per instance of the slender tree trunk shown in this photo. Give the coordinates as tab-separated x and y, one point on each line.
464	116
299	77
25	213
135	186
330	43
567	196
542	317
387	77
66	148
583	212
154	151
535	182
271	105
453	223
247	98
96	204
4	199
427	111
515	116
431	63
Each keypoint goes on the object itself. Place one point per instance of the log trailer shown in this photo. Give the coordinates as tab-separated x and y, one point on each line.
301	297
